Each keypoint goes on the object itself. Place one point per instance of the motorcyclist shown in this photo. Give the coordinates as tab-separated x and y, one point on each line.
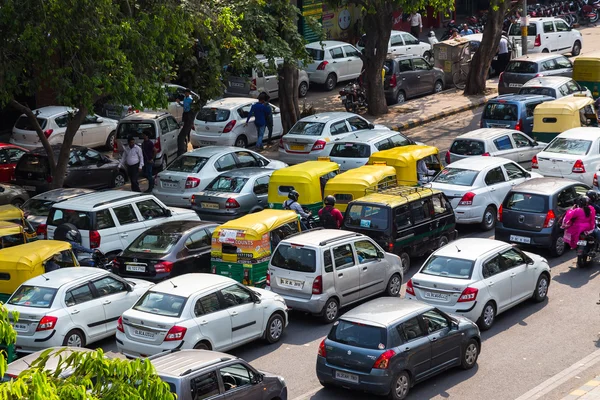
74	238
330	217
581	218
594	198
292	204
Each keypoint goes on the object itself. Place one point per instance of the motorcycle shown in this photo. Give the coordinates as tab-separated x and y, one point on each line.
354	97
96	260
588	249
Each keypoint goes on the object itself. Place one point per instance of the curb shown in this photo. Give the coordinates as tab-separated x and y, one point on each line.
590	389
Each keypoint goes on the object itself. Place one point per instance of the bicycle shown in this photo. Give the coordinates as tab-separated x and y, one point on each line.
461	69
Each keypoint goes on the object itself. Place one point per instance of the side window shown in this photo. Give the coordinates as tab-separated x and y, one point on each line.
410	330
351	51
3	157
404	66
225	163
514	172
396	40
151	209
548	65
566	198
494	176
204	386
244	111
336	53
104	220
419	211
564	90
434	321
198	240
246	159
357	123
520	140
383	145
548	27
261	185
563	62
581	190
235	295
409	39
173	125
78	295
366	251
89	119
62	120
343	257
14	155
338	128
529	109
503	143
420	64
511	258
207	304
327	261
399	140
573	87
108	285
402	218
125	214
235	375
164	126
491	267
561	26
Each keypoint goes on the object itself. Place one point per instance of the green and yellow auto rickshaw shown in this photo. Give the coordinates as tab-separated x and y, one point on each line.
405	160
586	71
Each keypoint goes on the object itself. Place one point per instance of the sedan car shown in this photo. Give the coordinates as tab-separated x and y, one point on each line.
12	194
194	170
521	69
385	347
554	86
409	76
9	156
495	142
170	249
479	279
476	186
71	307
223	123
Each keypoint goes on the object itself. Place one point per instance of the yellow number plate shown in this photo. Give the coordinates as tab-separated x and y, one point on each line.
214	206
297	147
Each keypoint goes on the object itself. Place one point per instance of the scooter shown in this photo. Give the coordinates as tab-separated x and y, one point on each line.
588	249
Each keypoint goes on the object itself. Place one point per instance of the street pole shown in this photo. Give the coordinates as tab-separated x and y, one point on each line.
524	28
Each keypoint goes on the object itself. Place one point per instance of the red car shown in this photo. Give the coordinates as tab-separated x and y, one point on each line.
9	156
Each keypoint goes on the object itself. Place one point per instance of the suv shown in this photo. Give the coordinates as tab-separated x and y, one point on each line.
514	111
521	69
409	76
111	220
302	271
548	35
200	374
333	62
162	129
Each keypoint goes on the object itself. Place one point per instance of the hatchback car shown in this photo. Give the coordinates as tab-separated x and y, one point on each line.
233	194
479	279
55	356
71	307
388	345
194	170
223	123
409	76
554	86
402	43
476	186
495	142
532	212
333	62
12	194
512	111
9	156
200	311
166	250
521	69
548	35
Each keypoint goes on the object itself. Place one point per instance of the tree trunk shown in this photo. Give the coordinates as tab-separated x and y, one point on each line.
288	95
480	64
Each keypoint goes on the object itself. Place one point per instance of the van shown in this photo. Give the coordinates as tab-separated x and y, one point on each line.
548	35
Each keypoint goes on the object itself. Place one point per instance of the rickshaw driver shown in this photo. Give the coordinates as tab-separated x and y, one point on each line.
423	172
292	204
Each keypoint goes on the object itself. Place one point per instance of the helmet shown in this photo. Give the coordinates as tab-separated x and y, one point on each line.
329	200
582	201
73	235
593	195
293	195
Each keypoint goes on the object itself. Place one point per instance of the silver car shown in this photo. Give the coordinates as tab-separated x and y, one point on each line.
38	207
12	194
521	69
554	86
194	170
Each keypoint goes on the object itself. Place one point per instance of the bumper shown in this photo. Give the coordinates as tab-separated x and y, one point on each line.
469	215
25	145
377	381
212	140
313	305
173	199
318	77
467	310
218	216
543	238
133	349
154	279
297	158
38	341
33	187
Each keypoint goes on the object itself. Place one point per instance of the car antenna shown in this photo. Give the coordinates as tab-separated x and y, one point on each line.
457	248
174	285
46	278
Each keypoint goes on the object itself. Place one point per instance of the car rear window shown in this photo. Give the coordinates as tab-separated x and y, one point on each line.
358	335
190	164
24	124
33	296
522	67
154	242
33	163
351	150
227	184
316	54
448	267
136	129
526	202
538	90
307	128
37	207
295	258
81	219
213	115
515	30
365	216
501	111
467	147
575	147
157	303
456	176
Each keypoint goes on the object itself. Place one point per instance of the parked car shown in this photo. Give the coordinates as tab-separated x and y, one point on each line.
476	186
314	136
55	355
532	212
333	62
71	307
112	219
9	156
554	86
194	170
409	76
495	142
479	279
233	194
12	194
573	154
252	81
548	35
302	271
385	347
522	69
162	130
86	168
167	250
210	374
223	123
200	311
403	43
94	131
512	111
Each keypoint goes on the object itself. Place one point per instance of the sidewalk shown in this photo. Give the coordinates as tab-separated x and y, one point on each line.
589	391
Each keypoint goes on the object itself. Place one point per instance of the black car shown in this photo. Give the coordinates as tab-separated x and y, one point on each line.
167	250
86	168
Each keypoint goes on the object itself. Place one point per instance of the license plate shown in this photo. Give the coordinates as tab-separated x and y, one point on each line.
343	98
297	147
145	334
20	327
515	84
29	188
213	206
520	239
344	376
582	243
170	185
291	283
435	296
135	268
206	143
236	84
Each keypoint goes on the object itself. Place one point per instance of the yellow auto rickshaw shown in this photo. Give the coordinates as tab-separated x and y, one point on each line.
586	71
554	117
241	248
21	263
355	183
405	158
11	234
15	215
308	179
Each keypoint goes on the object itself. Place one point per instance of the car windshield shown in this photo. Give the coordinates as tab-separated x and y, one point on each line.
351	150
501	111
136	129
575	147
315	54
526	202
33	296
538	90
212	115
168	305
365	216
227	184
37	207
515	30
522	67
358	335
448	267
188	164
456	176
24	124
467	147
295	258
307	128
154	242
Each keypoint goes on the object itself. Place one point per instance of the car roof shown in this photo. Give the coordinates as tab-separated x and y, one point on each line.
62	276
469	248
188	284
97	199
485	133
210	151
326	44
581	133
544	185
549	81
144	115
50	111
519	97
316	238
328	116
536	57
248	172
478	163
230	102
55	355
397	196
41	151
182	362
383	311
178	226
62	194
368	135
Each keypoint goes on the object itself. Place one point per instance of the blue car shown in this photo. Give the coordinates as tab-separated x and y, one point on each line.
513	111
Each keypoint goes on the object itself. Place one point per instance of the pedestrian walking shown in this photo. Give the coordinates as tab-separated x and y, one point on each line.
133	160
260	111
149	152
416	24
503	54
188	119
269	118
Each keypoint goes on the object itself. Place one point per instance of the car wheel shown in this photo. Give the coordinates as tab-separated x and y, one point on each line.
470	354
17	202
241	141
545	51
331	310
394	285
202	346
164	163
438	87
400	97
405	258
488	316
110	140
274	328
488	221
119	180
541	288
303	89
428	56
74	338
330	82
443	241
558	246
400	386
576	48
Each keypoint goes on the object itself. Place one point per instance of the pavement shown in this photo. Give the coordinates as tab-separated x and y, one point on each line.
589	391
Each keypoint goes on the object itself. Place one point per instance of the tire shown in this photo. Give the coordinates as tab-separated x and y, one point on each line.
582	261
470	354
119	180
274	329
443	241
400	97
438	87
541	288
558	246
302	89
110	140
164	163
18	202
427	55
459	82
593	20
394	285
488	222
331	311
201	346
330	82
545	51
400	386
577	47
405	258
488	316
75	338
241	141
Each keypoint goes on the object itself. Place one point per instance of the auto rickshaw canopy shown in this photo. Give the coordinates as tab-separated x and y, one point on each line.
255	225
29	256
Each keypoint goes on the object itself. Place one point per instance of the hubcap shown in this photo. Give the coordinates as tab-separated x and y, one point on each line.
560	245
401	386
395	286
74	341
488	315
489	218
111	142
119	180
542	288
240	143
303	90
438	87
471	354
276	328
331	311
400	97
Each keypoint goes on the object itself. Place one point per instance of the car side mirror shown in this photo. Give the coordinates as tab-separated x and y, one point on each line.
99	120
534	143
256	299
276	110
380	254
257	378
371	126
168	213
129	288
453	325
569	28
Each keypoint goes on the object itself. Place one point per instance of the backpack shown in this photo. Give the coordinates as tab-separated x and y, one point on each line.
327	219
287	204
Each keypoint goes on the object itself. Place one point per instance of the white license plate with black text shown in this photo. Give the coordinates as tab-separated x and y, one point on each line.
170	185
436	296
520	239
291	283
582	243
344	376
135	268
145	334
20	327
515	84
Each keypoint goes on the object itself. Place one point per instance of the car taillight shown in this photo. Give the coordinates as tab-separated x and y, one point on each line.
157	145
319	145
115	146
232	203
175	333
578	167
469	294
322	351
448	157
317	286
410	289
120	325
322	66
393	81
534	163
48	132
595	182
46	323
253	84
500	77
94	239
519	125
538	75
116	264
191	182
193	199
42	231
500	213
550	219
538	40
49	178
383	361
281	143
390	247
229	126
486	154
163	266
268	283
467	199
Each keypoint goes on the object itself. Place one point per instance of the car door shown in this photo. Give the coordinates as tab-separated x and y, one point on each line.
420	215
396	46
549	36
86	310
93	133
372	269
246	315
526	149
151	212
115	297
339	63
424	74
204	386
261	189
445	341
498	281
515	174
98	172
412	45
564	36
522	275
171	138
496	185
416	347
214	320
407	78
277	125
346	276
250	129
505	148
77	172
353	61
197	259
240	383
130	225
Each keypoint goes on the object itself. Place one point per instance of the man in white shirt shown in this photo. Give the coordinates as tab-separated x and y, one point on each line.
416	24
132	159
503	54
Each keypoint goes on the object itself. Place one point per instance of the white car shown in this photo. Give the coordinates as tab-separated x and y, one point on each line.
402	43
333	62
223	123
476	186
548	35
479	279
554	86
574	154
71	307
200	311
94	131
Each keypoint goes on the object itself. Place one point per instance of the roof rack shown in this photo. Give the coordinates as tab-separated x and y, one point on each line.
318	228
190	370
103	203
349	235
403	191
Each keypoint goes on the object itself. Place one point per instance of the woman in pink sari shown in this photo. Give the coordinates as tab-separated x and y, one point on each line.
581	218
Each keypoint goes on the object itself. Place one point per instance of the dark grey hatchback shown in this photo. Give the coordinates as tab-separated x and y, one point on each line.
387	345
